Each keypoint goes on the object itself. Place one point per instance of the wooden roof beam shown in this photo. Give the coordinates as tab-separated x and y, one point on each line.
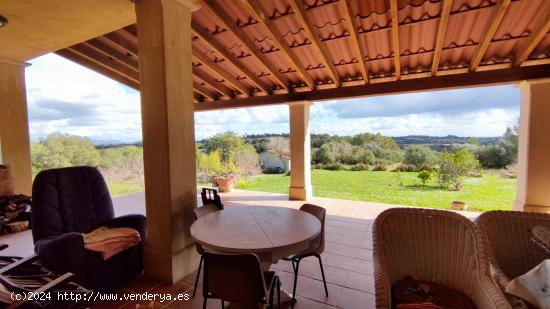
489	33
348	17
229	24
98	67
204	91
205	36
395	38
441	32
214	83
258	13
209	63
104	60
113	53
124	39
322	51
538	33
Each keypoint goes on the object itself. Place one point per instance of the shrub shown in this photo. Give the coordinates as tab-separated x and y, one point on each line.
425	176
359	167
333	166
493	156
419	155
405	168
380	167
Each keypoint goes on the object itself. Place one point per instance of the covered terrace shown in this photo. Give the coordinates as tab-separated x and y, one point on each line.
188	56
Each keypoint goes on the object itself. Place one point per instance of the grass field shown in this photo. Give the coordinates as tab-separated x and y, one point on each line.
489	192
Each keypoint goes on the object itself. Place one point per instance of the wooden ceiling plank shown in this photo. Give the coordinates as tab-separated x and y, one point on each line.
113	53
209	63
536	36
258	13
238	33
395	38
98	67
348	17
489	33
204	91
441	32
214	83
322	51
104	60
428	83
205	36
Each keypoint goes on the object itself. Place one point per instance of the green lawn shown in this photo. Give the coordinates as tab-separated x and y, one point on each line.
488	192
124	188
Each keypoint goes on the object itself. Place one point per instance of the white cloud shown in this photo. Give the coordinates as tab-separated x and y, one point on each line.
66	97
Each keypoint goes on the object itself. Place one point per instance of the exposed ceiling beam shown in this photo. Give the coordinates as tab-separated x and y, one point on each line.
204	91
255	9
205	36
348	17
395	38
229	24
209	63
220	87
124	39
440	82
105	60
441	31
98	67
113	53
538	33
321	50
489	33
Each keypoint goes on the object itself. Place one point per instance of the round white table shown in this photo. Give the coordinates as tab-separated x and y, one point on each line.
270	232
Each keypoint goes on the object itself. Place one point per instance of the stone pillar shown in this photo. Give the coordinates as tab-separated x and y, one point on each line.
533	186
164	42
300	152
14	126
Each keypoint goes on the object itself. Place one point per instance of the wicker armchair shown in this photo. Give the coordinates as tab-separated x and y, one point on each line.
435	246
511	252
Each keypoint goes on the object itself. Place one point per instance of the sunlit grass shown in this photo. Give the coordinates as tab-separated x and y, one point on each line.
488	192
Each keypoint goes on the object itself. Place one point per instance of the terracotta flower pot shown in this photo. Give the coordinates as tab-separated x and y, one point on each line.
459	205
225	184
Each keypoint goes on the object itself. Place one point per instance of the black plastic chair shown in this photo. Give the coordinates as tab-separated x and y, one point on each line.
238	278
316	247
199	212
210	196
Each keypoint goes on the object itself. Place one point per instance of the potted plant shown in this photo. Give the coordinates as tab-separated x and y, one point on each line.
225	178
459	205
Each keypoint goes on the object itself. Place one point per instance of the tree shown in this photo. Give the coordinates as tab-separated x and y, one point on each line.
453	167
473	141
228	144
419	155
62	150
385	142
280	147
248	161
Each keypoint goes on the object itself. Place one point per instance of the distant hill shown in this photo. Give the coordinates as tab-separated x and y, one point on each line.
439	142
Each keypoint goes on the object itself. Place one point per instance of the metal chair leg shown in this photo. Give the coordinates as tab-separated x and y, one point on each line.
223	304
278	293
295	282
322	273
204	303
198	275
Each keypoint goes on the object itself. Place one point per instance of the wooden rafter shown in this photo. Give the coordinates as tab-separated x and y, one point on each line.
258	13
105	60
204	91
205	36
214	83
489	33
538	33
113	53
348	17
395	38
230	25
209	63
322	51
125	40
441	31
98	67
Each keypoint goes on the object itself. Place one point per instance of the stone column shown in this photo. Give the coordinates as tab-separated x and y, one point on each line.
14	126
533	185
164	42
300	152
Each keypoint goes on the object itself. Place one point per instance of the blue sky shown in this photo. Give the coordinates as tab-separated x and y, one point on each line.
66	97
